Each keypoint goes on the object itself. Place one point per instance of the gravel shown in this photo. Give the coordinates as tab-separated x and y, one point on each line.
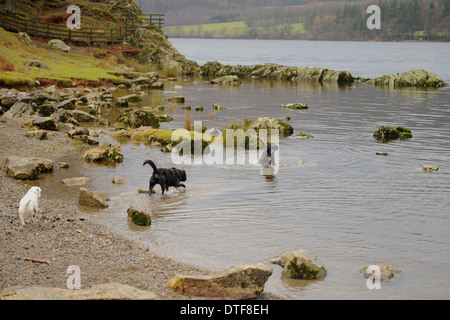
65	236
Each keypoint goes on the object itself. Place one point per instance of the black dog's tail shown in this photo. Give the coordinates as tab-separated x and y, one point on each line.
150	162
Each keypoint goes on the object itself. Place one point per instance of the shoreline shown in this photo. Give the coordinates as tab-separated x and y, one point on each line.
65	236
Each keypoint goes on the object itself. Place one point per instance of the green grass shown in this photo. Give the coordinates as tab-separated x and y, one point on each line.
63	67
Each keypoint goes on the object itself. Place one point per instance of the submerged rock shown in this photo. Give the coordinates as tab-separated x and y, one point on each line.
295	106
429	168
93	199
176	99
300	264
27	168
238	282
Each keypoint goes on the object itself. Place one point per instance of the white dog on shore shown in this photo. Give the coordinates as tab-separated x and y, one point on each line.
29	204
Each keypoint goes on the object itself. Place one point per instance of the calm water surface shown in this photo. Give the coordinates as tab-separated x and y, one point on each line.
348	206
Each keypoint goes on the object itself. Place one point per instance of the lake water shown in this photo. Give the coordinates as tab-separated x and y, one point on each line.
346	205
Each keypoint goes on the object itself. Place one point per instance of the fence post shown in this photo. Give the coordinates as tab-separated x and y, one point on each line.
70	35
48	30
90	36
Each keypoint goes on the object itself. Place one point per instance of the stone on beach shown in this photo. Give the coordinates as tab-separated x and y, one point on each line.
27	168
238	282
140	218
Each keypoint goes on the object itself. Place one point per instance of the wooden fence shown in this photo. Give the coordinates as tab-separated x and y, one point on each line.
85	35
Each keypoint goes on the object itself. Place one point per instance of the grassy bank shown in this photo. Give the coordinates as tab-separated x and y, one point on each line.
79	65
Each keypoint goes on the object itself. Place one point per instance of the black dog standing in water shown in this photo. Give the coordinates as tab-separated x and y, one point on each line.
166	177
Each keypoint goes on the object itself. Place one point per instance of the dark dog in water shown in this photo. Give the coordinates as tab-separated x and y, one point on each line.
166	177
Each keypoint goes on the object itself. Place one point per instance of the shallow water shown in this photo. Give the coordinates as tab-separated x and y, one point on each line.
348	206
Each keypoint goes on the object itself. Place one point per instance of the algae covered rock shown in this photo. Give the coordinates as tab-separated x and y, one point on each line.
300	264
238	282
387	133
141	218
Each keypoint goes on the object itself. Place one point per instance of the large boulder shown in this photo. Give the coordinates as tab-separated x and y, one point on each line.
27	168
93	199
138	118
18	110
108	291
300	264
272	123
238	282
45	123
58	44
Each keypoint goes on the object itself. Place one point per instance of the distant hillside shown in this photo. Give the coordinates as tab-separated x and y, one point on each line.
303	19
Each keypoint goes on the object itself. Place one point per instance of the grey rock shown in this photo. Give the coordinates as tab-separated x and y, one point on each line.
300	264
58	44
93	199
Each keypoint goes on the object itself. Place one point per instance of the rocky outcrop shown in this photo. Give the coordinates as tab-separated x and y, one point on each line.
78	181
412	78
27	168
92	199
238	282
109	291
272	123
387	272
386	133
273	71
300	264
140	218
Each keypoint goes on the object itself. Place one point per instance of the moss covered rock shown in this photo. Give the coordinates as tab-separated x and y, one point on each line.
140	218
295	106
300	264
386	133
238	282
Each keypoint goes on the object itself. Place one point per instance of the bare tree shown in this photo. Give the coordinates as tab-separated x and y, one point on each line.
11	6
